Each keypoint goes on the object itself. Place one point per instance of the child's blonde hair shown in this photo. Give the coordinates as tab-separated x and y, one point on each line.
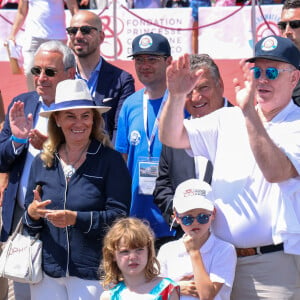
136	234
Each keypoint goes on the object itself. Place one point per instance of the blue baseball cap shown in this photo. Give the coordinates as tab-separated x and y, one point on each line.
277	48
151	43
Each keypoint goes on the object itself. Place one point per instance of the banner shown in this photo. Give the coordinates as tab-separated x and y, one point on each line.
138	21
228	35
124	28
225	32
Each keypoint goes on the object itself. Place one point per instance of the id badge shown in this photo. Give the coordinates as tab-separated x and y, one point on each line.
148	172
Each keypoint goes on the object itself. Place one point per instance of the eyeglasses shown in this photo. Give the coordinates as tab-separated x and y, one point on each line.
293	24
271	73
189	220
151	60
83	29
36	71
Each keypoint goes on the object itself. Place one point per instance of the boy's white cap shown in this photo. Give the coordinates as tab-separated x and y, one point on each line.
192	194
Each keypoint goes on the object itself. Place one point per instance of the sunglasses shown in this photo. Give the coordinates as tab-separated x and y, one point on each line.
83	29
189	220
36	71
151	60
271	73
293	24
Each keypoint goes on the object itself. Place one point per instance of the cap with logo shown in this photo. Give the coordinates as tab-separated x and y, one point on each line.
192	194
151	43
277	48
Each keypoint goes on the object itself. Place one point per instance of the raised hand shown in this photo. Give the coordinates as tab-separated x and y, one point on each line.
245	96
180	79
19	123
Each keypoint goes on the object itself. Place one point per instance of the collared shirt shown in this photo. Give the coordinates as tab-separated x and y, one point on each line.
99	191
219	259
200	161
245	200
93	80
41	124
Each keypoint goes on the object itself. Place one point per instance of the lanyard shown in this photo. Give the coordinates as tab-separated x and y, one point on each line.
155	125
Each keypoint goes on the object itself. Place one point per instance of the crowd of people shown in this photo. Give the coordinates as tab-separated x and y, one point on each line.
100	4
169	192
82	4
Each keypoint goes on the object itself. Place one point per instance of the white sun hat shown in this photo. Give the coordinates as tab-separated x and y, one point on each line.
73	94
192	194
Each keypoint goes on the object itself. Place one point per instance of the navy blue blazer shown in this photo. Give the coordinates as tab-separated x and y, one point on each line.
99	191
12	163
117	84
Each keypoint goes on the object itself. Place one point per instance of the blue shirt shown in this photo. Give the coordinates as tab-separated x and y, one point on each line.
132	140
93	80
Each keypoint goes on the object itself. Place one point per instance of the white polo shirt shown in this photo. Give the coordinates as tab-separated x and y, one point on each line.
248	206
219	258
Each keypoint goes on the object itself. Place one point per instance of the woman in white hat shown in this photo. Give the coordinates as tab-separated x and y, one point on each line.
84	186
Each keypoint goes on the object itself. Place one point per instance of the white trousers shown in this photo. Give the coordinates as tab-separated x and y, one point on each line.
268	276
66	288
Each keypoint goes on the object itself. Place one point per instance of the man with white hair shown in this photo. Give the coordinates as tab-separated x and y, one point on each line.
254	148
53	62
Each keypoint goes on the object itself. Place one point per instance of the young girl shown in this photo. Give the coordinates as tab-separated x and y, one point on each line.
130	264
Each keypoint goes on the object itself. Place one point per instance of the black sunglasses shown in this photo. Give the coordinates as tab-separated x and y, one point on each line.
188	220
293	24
36	71
83	29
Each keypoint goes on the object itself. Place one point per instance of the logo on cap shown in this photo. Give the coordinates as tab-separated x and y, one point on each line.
145	42
194	192
269	44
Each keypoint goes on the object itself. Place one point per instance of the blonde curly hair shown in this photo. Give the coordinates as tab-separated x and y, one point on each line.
136	234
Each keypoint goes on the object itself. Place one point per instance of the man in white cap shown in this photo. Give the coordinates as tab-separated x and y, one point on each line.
208	262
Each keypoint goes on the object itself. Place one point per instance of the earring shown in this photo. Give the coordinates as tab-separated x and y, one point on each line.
57	125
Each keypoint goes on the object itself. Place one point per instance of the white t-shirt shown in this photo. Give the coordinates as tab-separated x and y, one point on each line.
247	205
219	258
46	20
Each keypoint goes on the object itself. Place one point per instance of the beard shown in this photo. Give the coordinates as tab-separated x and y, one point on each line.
84	52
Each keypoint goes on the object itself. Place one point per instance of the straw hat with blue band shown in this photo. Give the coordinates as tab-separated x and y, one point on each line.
73	94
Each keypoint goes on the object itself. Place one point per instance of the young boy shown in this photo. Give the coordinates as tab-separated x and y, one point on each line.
203	264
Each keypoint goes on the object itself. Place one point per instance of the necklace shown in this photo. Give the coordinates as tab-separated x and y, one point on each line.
69	168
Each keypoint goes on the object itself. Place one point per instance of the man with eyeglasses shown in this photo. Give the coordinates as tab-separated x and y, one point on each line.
53	62
137	136
44	21
108	85
254	148
289	27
